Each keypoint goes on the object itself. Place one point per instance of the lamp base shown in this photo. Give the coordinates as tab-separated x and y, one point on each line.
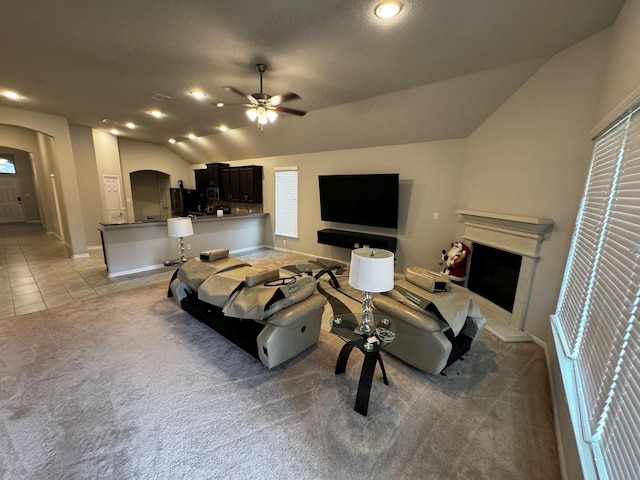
365	326
363	329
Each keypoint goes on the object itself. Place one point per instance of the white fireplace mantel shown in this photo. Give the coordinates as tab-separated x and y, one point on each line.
512	233
517	234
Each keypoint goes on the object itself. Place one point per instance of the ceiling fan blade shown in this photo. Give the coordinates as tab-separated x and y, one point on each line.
291	111
241	93
283	97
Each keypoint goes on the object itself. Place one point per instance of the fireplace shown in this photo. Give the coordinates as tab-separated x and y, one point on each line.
501	275
493	274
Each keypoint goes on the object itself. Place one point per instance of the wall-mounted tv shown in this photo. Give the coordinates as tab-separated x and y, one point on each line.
365	199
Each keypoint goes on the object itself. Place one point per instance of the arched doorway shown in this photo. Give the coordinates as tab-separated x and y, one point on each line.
150	195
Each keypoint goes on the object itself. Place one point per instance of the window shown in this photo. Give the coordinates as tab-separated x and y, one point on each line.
6	163
287	201
597	318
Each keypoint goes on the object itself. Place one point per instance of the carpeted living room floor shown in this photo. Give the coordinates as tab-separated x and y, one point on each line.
128	386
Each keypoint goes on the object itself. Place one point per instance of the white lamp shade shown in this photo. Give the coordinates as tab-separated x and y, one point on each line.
180	227
371	270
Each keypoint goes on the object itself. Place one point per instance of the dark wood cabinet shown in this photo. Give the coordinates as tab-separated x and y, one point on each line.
251	184
202	180
214	170
241	184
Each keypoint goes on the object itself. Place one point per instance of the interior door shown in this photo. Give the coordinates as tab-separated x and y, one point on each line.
11	209
113	199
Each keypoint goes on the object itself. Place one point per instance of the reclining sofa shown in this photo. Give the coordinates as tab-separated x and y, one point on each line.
271	316
434	326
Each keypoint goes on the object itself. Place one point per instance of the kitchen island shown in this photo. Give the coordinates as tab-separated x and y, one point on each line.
140	246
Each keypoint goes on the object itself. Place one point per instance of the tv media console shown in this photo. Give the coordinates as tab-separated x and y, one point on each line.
351	240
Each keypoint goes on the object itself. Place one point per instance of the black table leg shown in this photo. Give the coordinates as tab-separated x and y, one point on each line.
366	374
341	364
364	385
333	280
384	373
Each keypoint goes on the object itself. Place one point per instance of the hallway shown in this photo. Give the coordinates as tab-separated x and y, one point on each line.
37	272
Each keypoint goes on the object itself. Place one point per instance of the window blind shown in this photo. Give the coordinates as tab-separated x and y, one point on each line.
286	208
597	313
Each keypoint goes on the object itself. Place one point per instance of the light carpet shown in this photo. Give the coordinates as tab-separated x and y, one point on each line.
128	386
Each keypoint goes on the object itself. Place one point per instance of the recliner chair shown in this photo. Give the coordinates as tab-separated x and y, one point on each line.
433	329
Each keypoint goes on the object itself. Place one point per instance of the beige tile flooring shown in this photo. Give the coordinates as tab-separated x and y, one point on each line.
36	272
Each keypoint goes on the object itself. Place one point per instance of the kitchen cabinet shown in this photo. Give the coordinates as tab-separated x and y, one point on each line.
214	170
202	180
241	184
251	184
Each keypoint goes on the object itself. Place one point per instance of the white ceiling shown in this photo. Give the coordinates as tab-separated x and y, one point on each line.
89	60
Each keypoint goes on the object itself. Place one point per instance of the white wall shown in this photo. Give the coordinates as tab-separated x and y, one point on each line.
136	156
531	158
59	150
622	78
89	184
429	182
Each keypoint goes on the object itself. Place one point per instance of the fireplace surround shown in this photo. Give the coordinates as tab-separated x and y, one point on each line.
516	234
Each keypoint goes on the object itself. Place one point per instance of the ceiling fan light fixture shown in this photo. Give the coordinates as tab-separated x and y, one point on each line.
272	116
252	113
263	119
388	9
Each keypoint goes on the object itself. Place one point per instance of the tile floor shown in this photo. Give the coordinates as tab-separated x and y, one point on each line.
36	272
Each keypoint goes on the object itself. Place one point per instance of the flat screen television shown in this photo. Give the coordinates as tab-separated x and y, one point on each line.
364	199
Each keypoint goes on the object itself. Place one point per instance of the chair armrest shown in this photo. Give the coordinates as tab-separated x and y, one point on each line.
291	316
421	321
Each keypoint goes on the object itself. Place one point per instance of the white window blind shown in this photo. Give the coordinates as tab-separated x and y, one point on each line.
597	314
286	181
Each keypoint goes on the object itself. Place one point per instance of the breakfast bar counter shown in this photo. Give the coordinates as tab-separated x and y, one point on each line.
140	246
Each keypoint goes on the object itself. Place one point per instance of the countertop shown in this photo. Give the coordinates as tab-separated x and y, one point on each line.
195	219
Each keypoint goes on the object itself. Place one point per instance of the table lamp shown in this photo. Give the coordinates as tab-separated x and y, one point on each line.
371	271
179	228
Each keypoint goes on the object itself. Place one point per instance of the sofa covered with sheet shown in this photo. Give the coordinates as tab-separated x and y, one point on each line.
272	314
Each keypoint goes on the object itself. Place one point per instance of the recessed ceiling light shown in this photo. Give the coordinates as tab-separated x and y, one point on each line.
172	140
192	136
223	128
114	131
130	125
11	95
109	121
388	9
197	94
219	104
156	113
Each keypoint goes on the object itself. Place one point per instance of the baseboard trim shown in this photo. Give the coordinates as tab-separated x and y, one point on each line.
135	270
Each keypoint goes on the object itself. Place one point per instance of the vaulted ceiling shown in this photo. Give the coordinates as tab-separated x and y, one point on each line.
90	61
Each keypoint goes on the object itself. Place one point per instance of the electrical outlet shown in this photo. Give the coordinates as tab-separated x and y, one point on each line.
435	215
188	246
284	242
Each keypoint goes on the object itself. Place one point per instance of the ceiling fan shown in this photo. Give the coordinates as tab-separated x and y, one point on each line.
263	107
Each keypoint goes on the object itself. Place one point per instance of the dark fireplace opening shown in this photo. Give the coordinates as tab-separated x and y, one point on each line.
493	274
